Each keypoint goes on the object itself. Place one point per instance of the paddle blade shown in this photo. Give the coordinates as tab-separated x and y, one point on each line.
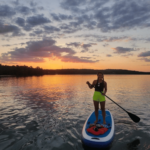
134	117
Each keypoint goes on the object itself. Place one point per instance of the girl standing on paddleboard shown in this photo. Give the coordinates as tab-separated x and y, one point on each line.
99	95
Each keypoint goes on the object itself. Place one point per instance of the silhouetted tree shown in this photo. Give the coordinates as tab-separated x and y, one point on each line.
30	71
20	70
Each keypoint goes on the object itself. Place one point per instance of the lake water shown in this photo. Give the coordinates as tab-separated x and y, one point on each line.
48	112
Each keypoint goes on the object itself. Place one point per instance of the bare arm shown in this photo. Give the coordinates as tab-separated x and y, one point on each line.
90	85
105	88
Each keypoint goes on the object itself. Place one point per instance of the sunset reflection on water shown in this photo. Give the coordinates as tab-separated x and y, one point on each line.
40	112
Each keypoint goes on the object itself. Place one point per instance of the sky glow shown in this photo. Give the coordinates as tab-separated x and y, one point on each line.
90	34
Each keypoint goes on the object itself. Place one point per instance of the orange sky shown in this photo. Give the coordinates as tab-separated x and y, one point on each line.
104	36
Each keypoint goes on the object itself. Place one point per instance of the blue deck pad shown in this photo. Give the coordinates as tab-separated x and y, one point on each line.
98	141
92	118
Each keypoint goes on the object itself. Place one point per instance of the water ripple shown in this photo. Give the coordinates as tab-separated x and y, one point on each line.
48	112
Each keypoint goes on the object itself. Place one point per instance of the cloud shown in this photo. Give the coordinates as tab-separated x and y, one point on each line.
81	45
121	15
37	51
6	28
15	2
33	4
146	59
85	11
124	15
51	29
97	4
24	10
72	5
108	55
75	24
65	17
36	32
16	57
147	40
86	46
78	19
80	15
37	20
91	24
127	55
103	19
106	44
55	17
83	7
75	44
32	21
144	54
121	50
100	38
86	57
83	21
76	59
20	21
61	17
7	45
131	14
85	14
27	27
67	28
45	30
6	11
114	39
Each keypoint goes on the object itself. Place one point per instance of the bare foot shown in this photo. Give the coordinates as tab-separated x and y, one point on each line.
95	121
104	122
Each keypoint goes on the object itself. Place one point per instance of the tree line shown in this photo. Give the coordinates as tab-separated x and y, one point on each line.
20	70
30	71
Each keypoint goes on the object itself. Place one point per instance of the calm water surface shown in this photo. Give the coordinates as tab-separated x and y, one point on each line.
48	112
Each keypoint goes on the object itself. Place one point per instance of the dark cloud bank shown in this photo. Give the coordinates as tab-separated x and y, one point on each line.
84	14
36	51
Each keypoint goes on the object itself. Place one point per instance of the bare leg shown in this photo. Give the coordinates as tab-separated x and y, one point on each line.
103	111
96	106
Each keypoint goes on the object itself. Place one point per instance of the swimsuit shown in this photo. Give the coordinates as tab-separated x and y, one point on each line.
97	94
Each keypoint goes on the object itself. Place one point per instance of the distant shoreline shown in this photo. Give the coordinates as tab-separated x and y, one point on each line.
92	71
30	71
6	76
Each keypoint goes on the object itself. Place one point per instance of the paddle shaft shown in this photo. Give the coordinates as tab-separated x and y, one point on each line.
132	116
116	103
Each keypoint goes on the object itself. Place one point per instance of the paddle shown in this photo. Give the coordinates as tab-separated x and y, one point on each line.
132	116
